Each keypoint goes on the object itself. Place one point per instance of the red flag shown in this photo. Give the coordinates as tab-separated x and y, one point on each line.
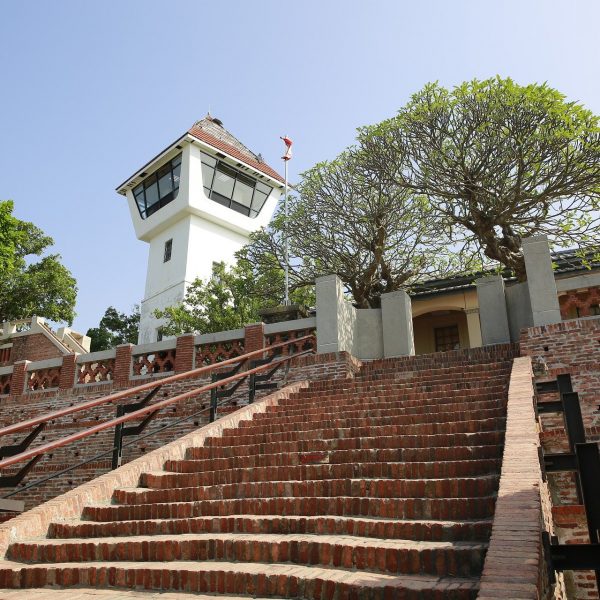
288	147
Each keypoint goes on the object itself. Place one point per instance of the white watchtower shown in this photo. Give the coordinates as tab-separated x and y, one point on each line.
196	203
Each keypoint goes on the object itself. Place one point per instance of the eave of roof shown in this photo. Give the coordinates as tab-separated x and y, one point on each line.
249	160
237	152
566	261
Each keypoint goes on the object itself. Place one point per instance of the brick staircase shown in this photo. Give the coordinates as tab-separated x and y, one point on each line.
381	486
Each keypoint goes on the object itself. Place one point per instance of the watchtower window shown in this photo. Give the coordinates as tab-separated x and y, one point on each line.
168	248
158	189
232	188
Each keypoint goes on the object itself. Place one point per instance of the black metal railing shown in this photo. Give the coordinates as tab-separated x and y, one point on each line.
583	459
17	453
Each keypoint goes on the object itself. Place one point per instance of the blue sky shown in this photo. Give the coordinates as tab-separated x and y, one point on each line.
91	90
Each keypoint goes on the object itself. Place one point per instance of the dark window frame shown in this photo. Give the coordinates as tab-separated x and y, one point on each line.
446	337
168	250
139	191
256	203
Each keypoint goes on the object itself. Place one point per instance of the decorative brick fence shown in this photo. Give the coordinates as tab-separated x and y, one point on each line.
127	365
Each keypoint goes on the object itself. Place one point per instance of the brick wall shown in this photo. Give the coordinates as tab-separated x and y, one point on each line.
569	347
584	303
514	566
33	347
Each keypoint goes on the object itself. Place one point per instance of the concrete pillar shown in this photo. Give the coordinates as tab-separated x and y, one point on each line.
397	324
473	327
492	310
335	316
540	280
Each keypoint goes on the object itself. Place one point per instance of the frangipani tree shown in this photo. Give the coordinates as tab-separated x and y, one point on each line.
498	162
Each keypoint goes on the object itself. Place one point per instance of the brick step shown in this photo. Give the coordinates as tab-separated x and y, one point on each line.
196	456
407	390
461	380
253	579
184	487
388	470
243	437
406	376
409	397
379	442
370	554
300	422
326	413
400	381
435	372
386	408
392	508
95	594
435	365
355	526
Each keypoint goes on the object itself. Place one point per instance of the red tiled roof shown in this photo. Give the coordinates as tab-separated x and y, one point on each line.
211	132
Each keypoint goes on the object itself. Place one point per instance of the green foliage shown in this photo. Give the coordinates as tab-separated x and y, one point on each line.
115	328
498	162
351	219
229	300
45	288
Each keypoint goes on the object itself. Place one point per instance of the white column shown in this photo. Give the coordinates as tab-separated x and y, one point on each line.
397	325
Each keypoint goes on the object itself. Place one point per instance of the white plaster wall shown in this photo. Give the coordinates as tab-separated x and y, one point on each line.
208	243
161	275
148	322
368	341
196	245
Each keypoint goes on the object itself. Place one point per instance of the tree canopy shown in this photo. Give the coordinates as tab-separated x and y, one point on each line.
45	288
498	162
115	328
350	218
230	299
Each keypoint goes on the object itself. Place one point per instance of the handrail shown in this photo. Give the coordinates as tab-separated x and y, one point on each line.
39	450
140	388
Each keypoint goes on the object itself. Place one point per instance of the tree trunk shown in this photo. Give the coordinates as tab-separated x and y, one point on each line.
507	251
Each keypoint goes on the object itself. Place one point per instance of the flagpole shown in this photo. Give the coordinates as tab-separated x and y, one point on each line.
286	246
286	250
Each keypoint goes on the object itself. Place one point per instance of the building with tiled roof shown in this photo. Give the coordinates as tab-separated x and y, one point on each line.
446	311
196	203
